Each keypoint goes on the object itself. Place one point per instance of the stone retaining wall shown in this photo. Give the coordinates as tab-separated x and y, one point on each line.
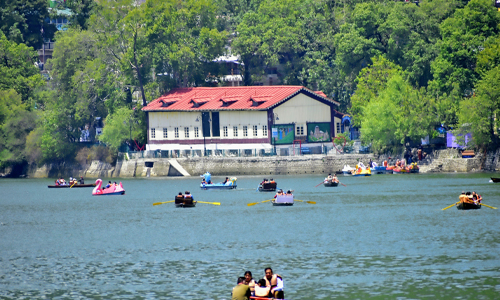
448	160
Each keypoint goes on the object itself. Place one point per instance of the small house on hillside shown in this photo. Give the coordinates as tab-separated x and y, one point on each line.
241	118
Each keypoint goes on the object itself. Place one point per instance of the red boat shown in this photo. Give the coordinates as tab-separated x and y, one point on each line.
112	190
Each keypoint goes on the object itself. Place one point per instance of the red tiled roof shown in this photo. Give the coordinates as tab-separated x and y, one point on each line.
230	98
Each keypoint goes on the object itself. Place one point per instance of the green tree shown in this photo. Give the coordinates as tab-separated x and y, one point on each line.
463	38
18	70
479	114
120	126
399	114
23	21
82	10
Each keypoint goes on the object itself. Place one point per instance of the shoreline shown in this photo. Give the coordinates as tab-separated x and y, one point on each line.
439	161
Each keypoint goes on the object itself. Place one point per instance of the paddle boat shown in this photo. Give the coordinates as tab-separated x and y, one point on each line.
283	200
413	168
347	170
112	190
207	183
361	170
267	186
184	201
378	170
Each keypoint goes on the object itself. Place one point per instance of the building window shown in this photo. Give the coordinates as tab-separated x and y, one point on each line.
165	133
245	130
176	132
153	133
235	130
196	132
255	130
264	130
224	131
300	130
338	127
186	132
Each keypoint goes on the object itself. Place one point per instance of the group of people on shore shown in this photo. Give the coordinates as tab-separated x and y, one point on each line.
468	197
270	286
72	181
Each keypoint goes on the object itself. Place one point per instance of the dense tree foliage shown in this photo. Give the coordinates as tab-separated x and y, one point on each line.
25	21
399	68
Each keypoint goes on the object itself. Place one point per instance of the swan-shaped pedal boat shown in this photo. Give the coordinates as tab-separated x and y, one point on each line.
112	190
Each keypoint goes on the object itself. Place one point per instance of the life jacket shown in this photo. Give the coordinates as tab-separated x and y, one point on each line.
274	280
262	291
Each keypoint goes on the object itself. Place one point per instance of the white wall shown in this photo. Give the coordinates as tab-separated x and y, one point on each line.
302	109
180	120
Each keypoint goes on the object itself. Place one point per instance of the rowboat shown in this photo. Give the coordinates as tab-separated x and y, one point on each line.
283	200
467	205
330	183
267	186
180	201
68	186
495	179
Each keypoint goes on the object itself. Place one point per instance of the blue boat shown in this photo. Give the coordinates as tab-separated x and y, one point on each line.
208	184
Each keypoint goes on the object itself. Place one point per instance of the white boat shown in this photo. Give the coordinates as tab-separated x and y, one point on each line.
347	170
283	200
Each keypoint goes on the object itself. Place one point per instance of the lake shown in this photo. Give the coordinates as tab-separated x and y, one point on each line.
378	237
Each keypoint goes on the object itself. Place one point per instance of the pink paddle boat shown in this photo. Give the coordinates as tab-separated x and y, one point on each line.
112	190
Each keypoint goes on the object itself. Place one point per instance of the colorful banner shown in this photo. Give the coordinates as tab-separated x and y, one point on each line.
318	132
285	134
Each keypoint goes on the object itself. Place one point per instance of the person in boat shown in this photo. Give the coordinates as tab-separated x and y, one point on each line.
272	181
275	282
288	192
476	197
225	181
334	178
108	185
81	180
250	282
262	289
329	178
279	193
62	181
203	181
241	291
187	195
370	163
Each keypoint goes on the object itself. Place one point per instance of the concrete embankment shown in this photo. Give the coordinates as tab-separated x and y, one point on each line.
448	160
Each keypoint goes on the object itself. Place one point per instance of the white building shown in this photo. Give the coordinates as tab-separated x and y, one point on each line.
241	118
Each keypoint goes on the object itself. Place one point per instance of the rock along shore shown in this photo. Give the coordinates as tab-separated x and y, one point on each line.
447	160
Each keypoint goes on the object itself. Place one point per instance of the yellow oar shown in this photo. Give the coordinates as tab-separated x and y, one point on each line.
72	185
250	204
451	205
158	203
489	206
214	203
310	202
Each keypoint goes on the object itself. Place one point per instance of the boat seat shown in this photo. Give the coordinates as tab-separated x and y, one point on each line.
179	199
188	200
468	154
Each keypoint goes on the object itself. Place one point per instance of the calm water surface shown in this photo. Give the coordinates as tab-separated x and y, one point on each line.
380	237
